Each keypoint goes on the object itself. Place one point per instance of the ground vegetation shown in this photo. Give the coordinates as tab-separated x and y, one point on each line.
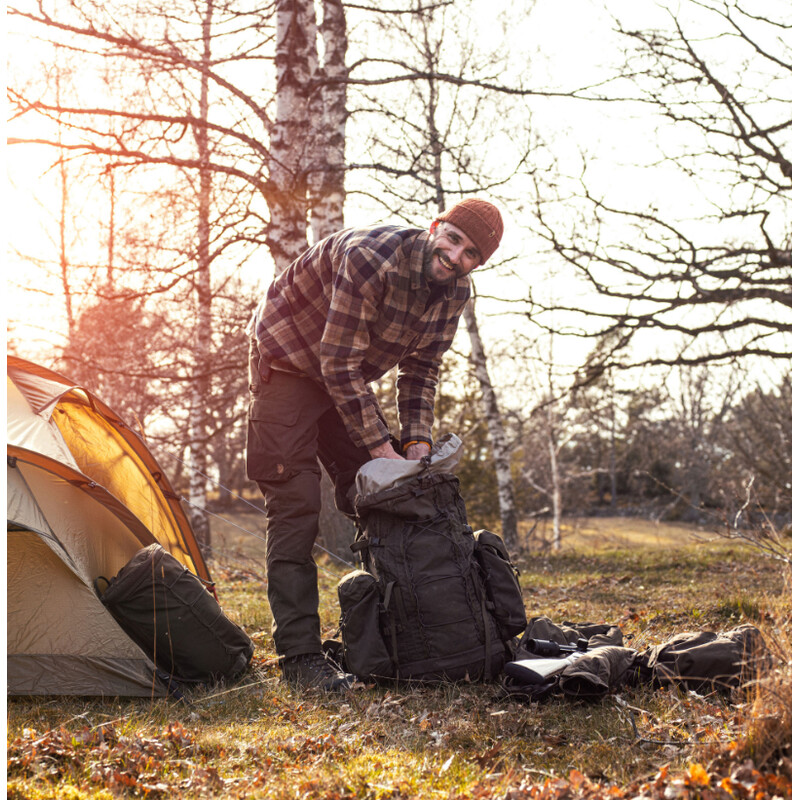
261	739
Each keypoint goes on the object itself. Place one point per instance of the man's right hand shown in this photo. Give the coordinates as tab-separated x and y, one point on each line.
385	450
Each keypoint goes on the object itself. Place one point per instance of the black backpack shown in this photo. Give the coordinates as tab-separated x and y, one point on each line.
170	614
434	601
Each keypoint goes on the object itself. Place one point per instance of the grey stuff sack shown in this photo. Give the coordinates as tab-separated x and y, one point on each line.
170	614
415	540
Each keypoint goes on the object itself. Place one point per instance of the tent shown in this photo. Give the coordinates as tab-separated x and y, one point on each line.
84	495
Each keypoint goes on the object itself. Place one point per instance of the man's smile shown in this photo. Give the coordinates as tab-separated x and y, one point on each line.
445	261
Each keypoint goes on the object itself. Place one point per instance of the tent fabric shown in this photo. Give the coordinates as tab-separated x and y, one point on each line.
73	513
84	495
26	429
76	429
61	639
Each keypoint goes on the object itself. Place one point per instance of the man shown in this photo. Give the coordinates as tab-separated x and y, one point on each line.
347	311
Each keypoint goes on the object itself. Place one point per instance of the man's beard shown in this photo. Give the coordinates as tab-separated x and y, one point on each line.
428	269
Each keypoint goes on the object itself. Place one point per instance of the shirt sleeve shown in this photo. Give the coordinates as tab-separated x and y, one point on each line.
356	299
417	378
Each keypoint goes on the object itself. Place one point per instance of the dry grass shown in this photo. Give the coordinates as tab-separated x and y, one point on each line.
260	739
613	533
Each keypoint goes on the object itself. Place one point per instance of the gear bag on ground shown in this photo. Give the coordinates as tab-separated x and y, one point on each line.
171	615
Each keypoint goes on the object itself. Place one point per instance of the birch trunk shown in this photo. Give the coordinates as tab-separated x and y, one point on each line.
63	259
287	187
555	478
326	194
497	434
112	232
328	120
199	382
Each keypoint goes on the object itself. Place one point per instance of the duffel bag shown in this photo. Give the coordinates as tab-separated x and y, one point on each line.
170	614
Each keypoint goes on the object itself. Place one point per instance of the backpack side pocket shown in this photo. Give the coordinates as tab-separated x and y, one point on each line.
501	579
364	650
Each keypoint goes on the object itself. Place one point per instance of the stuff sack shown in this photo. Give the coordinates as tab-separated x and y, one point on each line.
585	635
706	661
170	614
415	541
583	660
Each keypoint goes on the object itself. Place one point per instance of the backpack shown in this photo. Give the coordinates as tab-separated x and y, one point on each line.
434	601
170	614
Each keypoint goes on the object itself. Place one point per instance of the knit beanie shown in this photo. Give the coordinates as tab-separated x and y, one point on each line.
480	220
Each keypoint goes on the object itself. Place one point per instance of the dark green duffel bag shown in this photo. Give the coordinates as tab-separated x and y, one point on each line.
170	614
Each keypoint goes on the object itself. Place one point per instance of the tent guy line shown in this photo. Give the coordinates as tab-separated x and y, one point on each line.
236	496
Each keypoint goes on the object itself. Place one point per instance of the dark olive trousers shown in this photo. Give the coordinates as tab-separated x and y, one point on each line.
293	426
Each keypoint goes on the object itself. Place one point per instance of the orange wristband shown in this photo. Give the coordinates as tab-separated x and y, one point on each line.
415	441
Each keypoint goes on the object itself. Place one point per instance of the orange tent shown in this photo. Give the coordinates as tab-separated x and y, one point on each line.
84	494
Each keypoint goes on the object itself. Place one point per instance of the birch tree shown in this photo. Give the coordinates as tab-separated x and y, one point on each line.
199	388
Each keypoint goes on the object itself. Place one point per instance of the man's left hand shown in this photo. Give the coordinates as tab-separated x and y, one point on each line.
417	451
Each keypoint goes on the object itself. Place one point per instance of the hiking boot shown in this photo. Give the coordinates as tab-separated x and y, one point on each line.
314	671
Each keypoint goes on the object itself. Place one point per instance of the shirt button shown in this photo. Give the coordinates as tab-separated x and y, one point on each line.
280	469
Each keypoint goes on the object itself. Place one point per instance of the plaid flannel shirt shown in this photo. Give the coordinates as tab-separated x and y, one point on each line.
352	308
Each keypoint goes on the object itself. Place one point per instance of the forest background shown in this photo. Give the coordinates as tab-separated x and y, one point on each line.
628	349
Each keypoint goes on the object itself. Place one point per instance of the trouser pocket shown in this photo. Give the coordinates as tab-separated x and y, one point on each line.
282	428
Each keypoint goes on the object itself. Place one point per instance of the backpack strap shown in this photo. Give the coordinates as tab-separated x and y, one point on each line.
387	615
487	631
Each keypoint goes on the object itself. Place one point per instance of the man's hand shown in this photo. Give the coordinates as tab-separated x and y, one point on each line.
417	451
385	450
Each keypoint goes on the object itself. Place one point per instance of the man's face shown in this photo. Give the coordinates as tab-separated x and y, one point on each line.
453	255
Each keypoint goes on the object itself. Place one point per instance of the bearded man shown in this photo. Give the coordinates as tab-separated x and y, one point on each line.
350	309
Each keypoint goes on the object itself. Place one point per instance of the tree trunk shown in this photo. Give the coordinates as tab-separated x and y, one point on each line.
200	382
112	232
612	459
328	120
63	260
556	493
497	435
287	187
326	193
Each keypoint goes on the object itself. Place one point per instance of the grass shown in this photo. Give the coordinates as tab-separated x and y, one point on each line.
260	739
581	533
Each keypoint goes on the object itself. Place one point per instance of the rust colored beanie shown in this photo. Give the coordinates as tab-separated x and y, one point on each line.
480	220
